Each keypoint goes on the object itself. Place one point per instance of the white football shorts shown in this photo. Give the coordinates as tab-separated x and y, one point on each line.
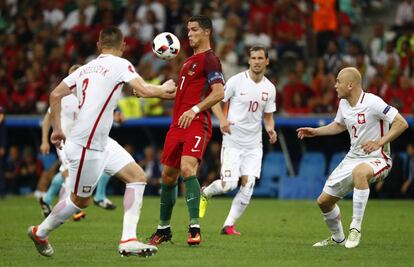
340	182
64	163
238	162
87	165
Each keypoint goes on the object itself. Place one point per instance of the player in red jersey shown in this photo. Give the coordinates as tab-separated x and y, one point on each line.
200	87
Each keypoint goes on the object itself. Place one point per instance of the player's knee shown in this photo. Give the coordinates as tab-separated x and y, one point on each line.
168	179
360	174
187	171
228	186
247	188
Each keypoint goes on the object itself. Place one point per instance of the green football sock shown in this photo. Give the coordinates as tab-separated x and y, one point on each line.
193	198
167	202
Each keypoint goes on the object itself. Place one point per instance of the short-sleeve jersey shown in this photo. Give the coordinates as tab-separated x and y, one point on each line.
98	88
368	120
248	101
197	74
69	113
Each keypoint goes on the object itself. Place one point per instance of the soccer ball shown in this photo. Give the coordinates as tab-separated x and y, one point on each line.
166	45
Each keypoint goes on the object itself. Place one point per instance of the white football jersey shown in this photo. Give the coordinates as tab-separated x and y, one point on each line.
69	112
98	87
248	101
368	120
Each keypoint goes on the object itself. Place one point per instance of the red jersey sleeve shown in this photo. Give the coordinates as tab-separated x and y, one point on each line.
213	69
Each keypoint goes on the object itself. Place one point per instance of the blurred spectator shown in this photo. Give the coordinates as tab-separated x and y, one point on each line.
325	23
130	106
347	38
2	153
152	168
332	58
157	16
351	9
404	13
228	58
82	15
290	35
255	35
295	95
407	188
378	86
365	68
210	167
30	171
391	186
302	71
378	42
259	14
389	52
326	102
52	14
152	106
402	95
173	13
12	169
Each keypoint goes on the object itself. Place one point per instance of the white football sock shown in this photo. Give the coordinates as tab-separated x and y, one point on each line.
333	221
240	202
359	202
132	209
213	189
60	213
64	191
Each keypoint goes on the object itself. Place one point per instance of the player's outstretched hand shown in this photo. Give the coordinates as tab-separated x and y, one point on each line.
306	132
272	136
370	146
169	86
44	148
57	138
225	127
186	118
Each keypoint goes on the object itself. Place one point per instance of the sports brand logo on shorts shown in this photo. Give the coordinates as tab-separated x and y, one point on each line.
191	71
227	173
86	189
265	96
361	118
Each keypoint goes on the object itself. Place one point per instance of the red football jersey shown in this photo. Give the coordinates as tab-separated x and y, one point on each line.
197	74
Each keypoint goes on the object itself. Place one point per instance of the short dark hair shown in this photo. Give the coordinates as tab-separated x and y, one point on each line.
110	37
204	21
258	48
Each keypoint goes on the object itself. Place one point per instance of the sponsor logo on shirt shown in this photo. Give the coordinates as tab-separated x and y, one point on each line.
361	118
386	109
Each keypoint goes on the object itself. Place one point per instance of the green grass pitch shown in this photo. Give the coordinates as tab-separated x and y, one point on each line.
274	233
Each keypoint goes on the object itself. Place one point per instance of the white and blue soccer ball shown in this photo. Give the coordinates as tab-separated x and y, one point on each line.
166	45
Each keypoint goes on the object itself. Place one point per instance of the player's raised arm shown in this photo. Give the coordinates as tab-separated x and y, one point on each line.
55	102
331	129
398	126
143	89
269	123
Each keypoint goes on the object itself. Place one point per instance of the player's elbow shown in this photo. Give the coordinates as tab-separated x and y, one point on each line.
220	95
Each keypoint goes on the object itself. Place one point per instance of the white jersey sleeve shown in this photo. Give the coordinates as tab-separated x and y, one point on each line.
384	111
229	89
339	118
70	80
270	106
129	75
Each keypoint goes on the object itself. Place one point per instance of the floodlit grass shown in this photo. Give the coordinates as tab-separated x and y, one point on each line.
274	233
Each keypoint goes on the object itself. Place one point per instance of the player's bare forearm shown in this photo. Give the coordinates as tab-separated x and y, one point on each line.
333	128
268	121
216	95
218	112
45	128
398	126
146	90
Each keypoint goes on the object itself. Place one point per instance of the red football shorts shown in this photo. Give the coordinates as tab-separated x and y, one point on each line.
185	142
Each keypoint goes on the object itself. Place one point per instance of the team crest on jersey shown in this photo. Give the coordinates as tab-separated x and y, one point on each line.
191	71
361	118
86	189
265	96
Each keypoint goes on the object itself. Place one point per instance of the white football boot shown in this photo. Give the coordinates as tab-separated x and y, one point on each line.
353	238
329	242
133	247
42	246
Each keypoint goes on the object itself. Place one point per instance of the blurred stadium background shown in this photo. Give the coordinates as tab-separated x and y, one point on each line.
308	40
